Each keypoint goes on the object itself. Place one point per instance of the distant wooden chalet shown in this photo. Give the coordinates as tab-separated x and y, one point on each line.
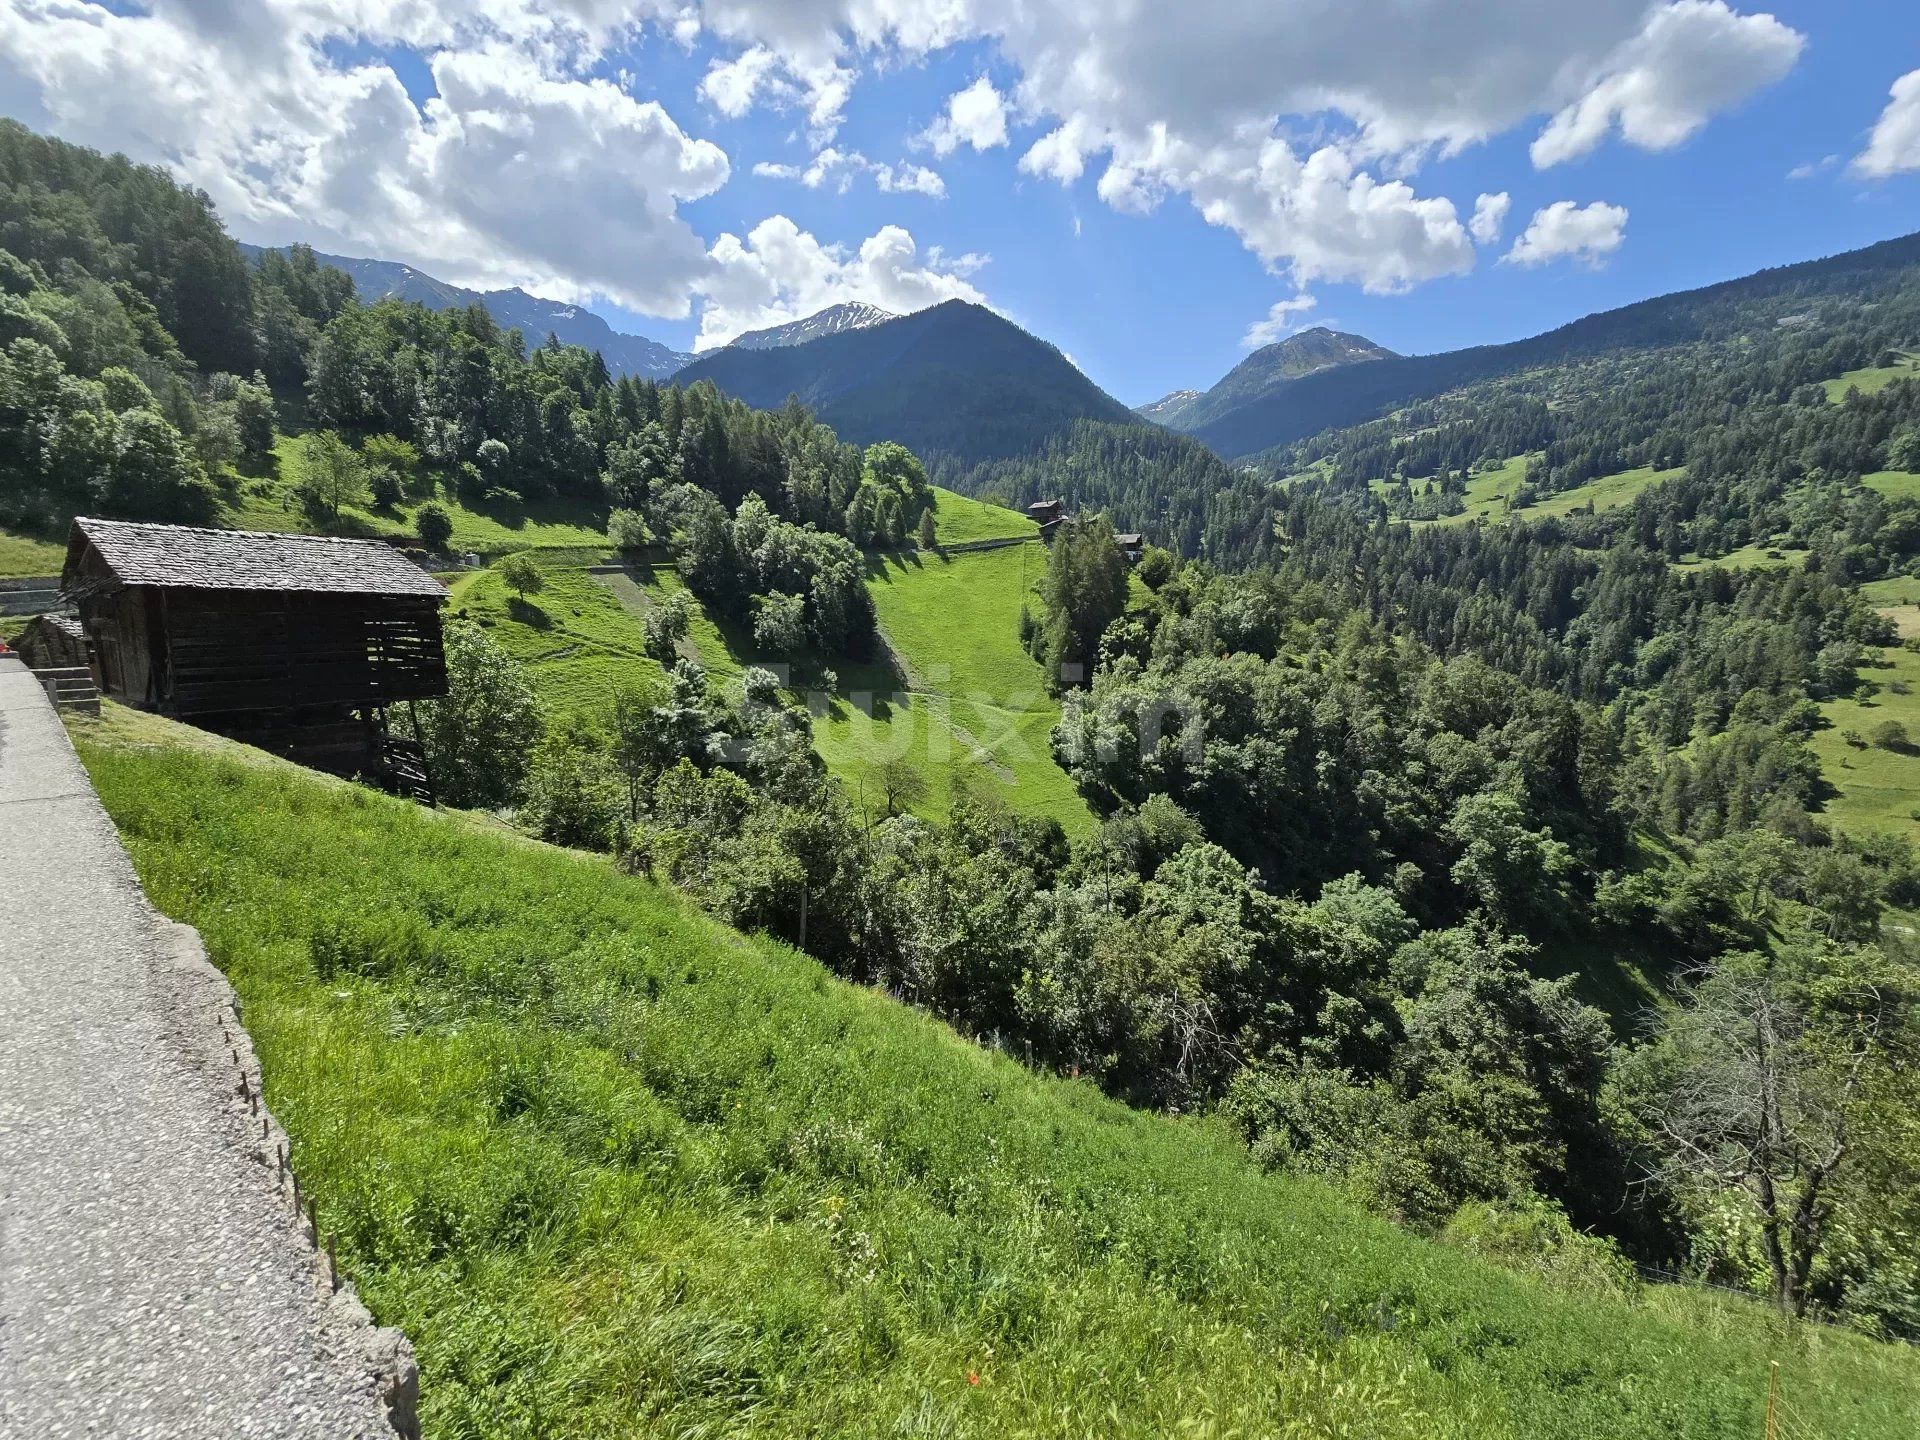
1049	515
297	643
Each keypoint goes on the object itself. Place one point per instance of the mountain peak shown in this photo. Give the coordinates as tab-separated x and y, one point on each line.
1315	348
834	320
1305	352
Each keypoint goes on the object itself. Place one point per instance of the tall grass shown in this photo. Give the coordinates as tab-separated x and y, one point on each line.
619	1171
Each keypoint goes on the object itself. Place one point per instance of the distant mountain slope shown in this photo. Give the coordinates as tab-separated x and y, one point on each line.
956	380
834	320
1265	369
1291	409
1171	408
533	317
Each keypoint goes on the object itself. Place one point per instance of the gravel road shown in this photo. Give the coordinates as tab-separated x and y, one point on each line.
152	1278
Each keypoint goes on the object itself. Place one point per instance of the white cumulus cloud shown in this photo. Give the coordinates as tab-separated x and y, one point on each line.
1895	143
1281	321
1694	59
1195	101
1489	217
779	272
836	170
1563	230
975	116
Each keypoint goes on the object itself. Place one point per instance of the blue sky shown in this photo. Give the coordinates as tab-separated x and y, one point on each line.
602	151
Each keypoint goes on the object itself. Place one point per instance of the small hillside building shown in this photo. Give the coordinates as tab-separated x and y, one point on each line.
297	643
1131	545
1046	512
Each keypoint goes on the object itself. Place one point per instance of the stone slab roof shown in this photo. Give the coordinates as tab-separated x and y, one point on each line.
191	558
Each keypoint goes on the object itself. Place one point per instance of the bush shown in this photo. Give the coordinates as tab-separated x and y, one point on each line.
399	456
779	624
627	530
573	794
383	484
1891	735
1534	1237
433	525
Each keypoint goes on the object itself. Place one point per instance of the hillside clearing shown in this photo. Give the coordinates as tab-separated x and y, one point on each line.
1878	787
977	698
1871	379
619	1171
1894	484
1607	493
1747	557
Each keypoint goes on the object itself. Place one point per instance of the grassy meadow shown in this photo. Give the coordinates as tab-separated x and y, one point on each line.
1872	379
958	519
973	703
974	700
618	1171
1490	493
1894	484
1747	557
1878	788
26	555
578	642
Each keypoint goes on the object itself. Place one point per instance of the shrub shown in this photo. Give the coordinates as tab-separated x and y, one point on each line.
1891	735
433	525
1534	1237
383	484
627	530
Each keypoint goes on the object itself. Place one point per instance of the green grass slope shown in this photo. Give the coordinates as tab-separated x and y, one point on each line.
976	702
619	1171
1872	379
1878	788
270	503
958	519
26	555
972	709
578	642
1490	493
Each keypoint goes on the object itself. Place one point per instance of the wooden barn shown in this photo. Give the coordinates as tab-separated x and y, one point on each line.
300	644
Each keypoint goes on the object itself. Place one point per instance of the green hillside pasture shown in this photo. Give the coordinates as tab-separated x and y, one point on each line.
269	504
1894	484
578	642
975	703
618	1171
1488	493
1747	557
1871	379
24	555
1879	789
1898	599
1606	493
978	715
958	519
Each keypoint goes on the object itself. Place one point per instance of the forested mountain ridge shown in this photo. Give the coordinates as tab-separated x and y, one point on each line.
514	308
955	380
1748	305
1263	372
